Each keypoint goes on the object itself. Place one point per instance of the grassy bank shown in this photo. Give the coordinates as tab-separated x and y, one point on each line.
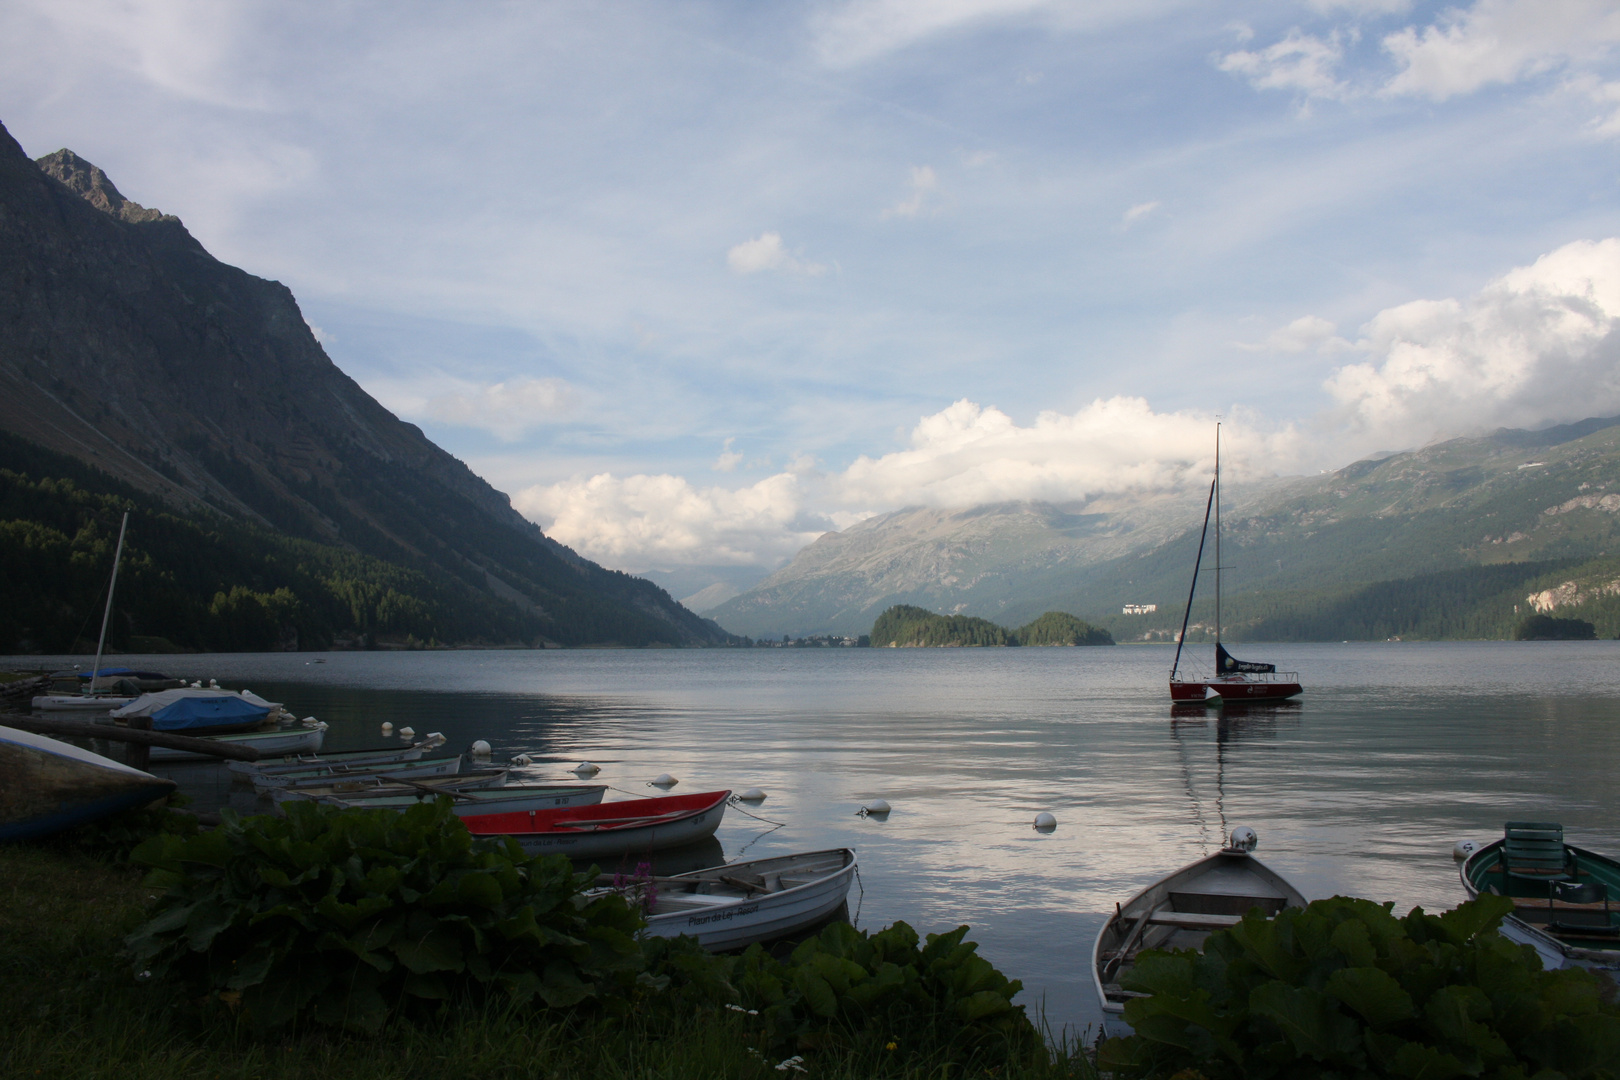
75	1009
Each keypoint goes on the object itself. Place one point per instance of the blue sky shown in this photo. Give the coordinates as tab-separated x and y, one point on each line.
694	282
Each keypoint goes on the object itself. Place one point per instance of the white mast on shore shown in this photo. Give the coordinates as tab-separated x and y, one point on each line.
95	672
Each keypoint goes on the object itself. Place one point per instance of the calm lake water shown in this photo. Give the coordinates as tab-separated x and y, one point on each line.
1395	752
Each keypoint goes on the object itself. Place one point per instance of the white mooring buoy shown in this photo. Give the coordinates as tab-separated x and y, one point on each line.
585	768
523	759
664	780
479	748
387	728
875	808
1045	822
753	794
1465	848
406	733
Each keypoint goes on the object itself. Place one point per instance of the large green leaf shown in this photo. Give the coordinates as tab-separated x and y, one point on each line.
1308	1019
1373	993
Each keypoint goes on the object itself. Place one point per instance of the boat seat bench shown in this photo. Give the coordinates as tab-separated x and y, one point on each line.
1188	920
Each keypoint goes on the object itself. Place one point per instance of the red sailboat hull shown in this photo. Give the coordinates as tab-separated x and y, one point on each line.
1234	690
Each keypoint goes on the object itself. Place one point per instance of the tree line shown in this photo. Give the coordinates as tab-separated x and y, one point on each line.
904	626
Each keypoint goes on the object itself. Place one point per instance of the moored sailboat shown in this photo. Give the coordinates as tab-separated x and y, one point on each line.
1232	679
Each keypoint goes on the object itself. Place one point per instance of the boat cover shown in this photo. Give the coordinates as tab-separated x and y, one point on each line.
1228	664
178	710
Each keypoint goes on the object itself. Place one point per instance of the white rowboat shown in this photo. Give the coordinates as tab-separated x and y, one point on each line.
284	741
373	784
1179	911
47	785
731	907
473	801
325	773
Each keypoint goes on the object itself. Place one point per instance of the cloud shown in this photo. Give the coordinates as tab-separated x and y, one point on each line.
1499	41
765	252
967	454
507	410
1538	345
729	459
860	30
1304	334
1136	213
923	184
1300	62
644	521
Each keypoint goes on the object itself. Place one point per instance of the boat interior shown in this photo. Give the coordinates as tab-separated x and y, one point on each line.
728	884
1565	891
1181	911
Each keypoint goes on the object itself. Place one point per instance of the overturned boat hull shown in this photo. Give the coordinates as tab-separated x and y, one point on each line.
47	785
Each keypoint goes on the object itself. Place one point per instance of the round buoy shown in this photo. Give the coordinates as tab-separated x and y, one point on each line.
479	748
585	768
1464	848
664	780
523	759
406	733
309	721
433	738
876	808
387	728
1045	822
753	794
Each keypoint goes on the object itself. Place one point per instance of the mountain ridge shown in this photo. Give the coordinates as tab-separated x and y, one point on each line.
126	345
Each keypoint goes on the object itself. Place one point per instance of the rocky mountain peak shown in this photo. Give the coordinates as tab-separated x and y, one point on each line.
90	183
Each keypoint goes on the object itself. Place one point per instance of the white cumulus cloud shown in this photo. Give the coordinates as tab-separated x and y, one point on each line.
1304	334
1137	213
1499	41
967	454
640	521
1536	346
767	252
1301	62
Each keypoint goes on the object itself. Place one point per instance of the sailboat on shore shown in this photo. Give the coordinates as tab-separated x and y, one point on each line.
1232	679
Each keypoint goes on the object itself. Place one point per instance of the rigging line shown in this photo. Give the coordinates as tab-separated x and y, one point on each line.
637	794
1182	639
755	840
736	804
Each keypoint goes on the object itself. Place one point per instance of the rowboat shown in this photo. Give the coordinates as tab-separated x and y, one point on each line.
731	907
326	772
1180	910
298	740
471	801
1232	679
590	832
1566	900
377	785
299	762
79	702
47	785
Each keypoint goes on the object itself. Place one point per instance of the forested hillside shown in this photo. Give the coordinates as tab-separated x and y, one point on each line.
205	581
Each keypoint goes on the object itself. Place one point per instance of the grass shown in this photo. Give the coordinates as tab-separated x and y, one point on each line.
74	1008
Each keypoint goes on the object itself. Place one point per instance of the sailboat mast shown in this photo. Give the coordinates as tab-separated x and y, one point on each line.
1217	532
118	556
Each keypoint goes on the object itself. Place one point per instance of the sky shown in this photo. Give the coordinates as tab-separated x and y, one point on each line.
696	282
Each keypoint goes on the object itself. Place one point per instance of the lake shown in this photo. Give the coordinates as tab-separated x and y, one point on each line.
1395	752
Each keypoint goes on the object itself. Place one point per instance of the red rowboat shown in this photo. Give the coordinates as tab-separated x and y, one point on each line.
618	828
1232	679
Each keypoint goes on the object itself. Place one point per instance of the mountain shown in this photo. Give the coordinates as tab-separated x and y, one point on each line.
1528	518
125	346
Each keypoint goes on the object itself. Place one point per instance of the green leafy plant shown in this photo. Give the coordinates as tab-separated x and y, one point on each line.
861	990
343	916
1343	988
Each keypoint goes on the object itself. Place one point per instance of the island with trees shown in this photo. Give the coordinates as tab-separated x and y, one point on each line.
904	626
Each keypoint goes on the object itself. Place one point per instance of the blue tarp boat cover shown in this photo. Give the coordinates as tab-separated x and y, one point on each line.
178	710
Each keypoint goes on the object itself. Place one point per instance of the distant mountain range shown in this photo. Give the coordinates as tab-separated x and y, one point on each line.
126	347
1481	531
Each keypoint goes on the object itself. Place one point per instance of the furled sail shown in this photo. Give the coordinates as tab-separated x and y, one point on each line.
1227	664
